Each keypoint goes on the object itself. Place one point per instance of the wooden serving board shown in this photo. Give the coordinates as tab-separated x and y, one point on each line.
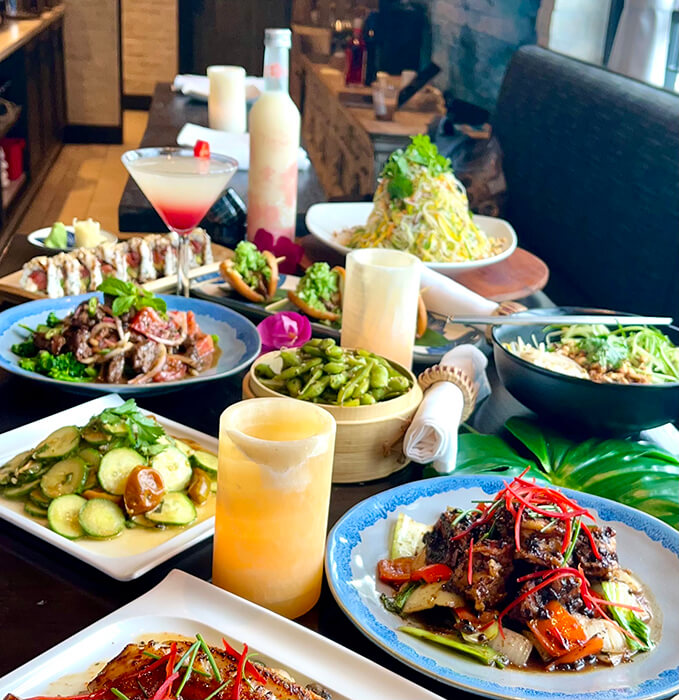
11	290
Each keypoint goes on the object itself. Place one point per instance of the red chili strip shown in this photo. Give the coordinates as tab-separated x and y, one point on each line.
239	673
546	513
172	656
592	543
165	690
566	536
470	564
612	604
249	666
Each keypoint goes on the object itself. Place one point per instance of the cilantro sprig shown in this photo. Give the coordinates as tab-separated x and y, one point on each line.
128	295
142	431
398	170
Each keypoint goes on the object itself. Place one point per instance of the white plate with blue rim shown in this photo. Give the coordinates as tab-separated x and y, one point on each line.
646	545
441	334
37	238
238	342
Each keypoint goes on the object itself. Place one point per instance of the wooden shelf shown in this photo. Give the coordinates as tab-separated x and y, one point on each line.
11	191
5	126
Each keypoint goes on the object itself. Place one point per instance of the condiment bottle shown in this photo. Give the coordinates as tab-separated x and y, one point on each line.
274	145
355	56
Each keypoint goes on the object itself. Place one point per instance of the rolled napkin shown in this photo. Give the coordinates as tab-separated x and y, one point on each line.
445	296
235	145
432	435
199	86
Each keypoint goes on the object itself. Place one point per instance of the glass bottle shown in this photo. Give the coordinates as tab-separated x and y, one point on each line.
355	56
274	146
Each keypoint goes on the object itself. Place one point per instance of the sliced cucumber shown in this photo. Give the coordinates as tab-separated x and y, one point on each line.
20	491
101	518
35	511
95	435
174	509
37	497
91	479
64	477
116	466
29	471
116	427
60	443
173	467
8	469
62	515
205	461
91	457
183	447
142	521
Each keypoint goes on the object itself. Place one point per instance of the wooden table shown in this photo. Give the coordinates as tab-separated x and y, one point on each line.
168	113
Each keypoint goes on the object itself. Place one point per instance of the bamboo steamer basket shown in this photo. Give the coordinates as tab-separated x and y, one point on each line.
369	442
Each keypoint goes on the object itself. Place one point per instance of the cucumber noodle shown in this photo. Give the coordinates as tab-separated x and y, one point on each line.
626	355
434	222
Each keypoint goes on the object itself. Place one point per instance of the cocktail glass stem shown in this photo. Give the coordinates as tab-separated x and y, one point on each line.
183	282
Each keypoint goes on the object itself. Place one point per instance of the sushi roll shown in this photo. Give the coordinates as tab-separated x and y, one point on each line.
112	259
91	269
42	275
71	273
140	265
164	254
200	251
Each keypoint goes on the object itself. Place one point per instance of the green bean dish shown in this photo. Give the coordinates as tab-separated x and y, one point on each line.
322	372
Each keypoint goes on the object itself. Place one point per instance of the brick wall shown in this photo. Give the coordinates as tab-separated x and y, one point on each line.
150	44
473	40
92	62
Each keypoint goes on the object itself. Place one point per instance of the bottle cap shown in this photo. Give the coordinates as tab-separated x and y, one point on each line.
278	38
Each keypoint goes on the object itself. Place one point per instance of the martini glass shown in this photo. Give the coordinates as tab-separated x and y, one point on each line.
182	188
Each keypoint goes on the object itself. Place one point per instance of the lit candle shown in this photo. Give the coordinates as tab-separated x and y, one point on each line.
379	304
226	102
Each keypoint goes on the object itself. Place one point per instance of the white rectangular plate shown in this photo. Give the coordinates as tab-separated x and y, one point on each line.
148	549
184	605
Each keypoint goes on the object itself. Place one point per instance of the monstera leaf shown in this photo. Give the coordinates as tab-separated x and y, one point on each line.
637	474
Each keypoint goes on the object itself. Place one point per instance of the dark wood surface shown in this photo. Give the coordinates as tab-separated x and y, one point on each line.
168	113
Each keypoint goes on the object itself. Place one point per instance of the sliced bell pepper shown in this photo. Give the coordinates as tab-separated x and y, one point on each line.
433	573
559	632
589	648
395	570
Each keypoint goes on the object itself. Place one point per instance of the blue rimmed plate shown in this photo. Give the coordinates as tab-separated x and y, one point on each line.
646	545
239	342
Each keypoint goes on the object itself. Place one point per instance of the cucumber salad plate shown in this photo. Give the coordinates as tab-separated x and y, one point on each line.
110	484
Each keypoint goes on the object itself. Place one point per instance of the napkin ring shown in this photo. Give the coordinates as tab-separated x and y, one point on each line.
456	376
506	308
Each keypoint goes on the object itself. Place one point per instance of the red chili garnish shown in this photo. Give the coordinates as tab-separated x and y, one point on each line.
201	149
239	673
566	536
249	666
172	656
165	690
590	537
470	564
433	573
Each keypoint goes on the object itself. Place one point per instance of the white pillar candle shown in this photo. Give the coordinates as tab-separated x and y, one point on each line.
379	305
226	102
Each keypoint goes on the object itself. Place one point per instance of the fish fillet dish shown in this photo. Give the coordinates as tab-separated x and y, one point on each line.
193	671
525	579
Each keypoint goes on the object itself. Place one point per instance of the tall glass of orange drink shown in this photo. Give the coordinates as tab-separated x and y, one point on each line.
275	469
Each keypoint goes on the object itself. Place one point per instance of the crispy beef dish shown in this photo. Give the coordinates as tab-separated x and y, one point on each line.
524	579
192	671
129	339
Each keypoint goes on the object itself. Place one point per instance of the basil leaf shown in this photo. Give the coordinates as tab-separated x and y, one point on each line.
121	305
116	287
